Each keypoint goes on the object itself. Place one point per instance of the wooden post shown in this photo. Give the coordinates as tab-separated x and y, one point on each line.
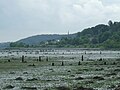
9	60
79	63
39	58
52	64
82	58
22	58
62	63
47	59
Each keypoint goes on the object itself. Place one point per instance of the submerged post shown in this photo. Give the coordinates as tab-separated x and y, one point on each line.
39	58
22	58
47	59
53	64
62	63
79	63
82	58
8	60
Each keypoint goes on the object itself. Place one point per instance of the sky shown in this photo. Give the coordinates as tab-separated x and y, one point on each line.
24	18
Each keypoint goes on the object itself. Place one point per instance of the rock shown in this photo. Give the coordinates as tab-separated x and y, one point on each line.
32	65
117	70
63	88
79	78
46	89
33	79
100	69
29	88
69	71
82	88
100	59
19	78
78	72
9	87
72	75
25	72
98	78
111	74
51	69
12	73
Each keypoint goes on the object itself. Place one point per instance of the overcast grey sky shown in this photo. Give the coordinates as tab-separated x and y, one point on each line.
23	18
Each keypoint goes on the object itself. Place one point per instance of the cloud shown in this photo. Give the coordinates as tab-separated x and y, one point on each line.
29	17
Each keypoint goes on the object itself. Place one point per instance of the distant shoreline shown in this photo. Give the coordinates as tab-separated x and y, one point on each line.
48	48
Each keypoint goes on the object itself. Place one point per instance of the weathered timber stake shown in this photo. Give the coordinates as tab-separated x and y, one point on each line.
47	59
79	63
53	64
82	58
22	58
40	58
62	63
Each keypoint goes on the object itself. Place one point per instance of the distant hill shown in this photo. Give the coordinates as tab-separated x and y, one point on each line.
37	39
4	45
100	36
41	38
